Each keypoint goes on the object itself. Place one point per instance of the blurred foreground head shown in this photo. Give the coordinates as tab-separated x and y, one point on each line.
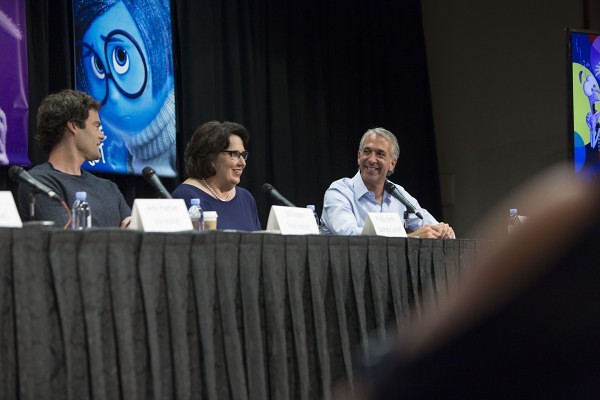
525	322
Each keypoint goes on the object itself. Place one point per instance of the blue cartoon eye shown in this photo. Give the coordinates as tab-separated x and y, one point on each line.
120	60
97	67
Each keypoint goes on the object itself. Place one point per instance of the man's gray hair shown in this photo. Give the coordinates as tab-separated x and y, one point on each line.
384	133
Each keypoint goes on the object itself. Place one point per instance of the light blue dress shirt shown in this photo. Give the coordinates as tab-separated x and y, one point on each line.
348	201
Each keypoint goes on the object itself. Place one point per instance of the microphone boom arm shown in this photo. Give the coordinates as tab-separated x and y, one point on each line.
393	190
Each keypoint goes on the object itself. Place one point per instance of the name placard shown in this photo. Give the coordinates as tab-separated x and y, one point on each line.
9	216
384	224
160	215
292	221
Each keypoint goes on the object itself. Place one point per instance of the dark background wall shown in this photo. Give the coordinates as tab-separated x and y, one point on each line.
498	77
308	78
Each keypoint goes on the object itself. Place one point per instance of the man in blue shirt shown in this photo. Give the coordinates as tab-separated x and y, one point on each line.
348	200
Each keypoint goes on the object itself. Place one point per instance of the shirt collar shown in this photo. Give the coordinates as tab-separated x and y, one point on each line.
360	190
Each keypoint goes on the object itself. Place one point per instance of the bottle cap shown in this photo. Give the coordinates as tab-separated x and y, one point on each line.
210	215
513	211
210	220
195	202
81	196
311	206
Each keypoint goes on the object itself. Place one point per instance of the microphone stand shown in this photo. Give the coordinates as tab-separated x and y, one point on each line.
406	214
31	205
32	209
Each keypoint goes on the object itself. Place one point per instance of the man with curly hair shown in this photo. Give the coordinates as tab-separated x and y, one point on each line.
69	129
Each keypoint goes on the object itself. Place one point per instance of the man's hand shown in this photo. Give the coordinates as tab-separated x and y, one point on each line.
445	231
125	222
438	231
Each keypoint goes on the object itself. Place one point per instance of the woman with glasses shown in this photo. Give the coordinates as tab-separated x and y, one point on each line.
215	159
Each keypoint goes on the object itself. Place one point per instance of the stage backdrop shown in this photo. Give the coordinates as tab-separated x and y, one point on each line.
123	56
306	78
14	101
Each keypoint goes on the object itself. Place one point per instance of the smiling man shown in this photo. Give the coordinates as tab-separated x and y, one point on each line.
69	129
348	200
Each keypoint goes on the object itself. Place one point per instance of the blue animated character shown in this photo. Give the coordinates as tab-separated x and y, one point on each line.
124	60
591	90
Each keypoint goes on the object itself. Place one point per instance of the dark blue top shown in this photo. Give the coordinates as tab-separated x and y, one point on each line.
239	213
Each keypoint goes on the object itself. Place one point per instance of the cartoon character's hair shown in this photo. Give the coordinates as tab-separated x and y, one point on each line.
152	18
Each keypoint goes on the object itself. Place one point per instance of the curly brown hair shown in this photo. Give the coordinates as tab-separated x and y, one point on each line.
205	145
59	108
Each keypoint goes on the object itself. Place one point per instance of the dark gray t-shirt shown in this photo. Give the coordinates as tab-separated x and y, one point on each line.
108	206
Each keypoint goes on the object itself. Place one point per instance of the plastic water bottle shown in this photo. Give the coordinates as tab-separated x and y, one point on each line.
317	219
196	215
513	219
81	213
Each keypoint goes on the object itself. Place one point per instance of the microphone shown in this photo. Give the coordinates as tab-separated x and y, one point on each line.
18	174
393	190
150	176
275	196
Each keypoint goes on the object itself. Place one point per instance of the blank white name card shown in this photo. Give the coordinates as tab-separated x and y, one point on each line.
160	215
384	224
9	216
292	221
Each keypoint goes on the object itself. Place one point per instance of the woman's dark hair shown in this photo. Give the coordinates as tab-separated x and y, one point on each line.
206	144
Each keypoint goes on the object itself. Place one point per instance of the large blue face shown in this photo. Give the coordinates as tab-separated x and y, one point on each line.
115	60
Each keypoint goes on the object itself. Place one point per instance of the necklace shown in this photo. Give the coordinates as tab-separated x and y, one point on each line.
213	192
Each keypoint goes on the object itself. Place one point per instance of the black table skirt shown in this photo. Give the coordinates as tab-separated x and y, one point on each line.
113	314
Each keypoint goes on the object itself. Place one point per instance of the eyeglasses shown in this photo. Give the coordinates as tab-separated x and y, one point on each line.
235	155
124	63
